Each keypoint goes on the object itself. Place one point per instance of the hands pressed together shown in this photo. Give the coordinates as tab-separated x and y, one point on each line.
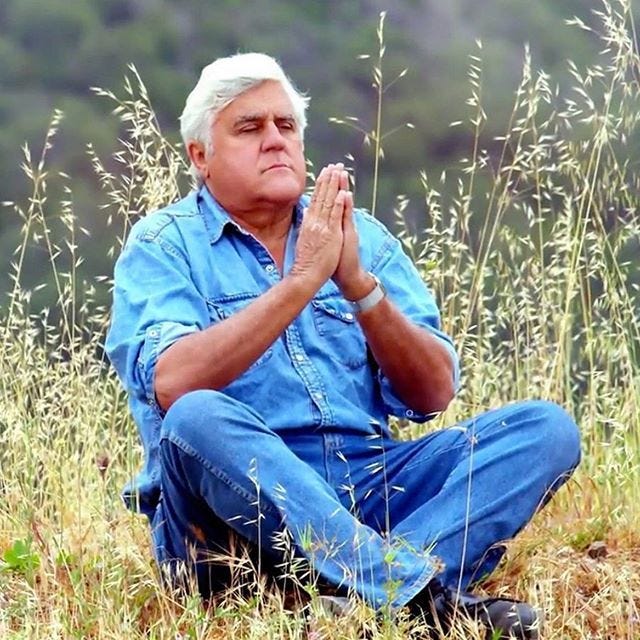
328	242
416	362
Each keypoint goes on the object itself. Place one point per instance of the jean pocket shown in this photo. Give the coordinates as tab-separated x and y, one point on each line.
340	332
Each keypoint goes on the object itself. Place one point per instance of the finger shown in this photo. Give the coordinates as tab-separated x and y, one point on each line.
348	208
333	187
347	213
342	184
326	194
320	188
329	196
344	180
337	210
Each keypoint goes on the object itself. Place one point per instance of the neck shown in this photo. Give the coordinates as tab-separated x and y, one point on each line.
269	227
266	225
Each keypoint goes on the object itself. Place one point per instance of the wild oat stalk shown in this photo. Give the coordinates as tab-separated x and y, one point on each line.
375	136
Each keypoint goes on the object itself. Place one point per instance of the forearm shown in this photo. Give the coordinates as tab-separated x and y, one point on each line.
214	357
416	362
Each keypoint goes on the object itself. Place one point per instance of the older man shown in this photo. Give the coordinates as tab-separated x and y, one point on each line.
264	338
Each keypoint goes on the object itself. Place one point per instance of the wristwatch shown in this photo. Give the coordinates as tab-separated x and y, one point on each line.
372	298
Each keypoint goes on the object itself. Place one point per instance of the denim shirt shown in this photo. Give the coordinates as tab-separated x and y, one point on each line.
189	266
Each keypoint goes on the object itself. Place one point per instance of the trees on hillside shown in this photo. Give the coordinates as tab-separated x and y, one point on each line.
52	53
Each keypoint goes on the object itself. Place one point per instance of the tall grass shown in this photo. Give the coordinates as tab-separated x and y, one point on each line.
537	278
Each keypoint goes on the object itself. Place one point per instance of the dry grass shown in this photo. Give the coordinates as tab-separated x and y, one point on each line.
553	313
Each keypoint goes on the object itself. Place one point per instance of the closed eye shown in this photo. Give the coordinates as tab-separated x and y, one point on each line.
287	125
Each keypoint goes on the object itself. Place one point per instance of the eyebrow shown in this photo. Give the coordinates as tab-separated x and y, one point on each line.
258	117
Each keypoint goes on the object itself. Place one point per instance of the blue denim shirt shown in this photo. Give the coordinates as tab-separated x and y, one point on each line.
189	265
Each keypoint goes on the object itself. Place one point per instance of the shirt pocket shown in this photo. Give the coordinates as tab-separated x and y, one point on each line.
226	306
339	331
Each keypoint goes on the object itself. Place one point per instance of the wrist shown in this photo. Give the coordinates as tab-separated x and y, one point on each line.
302	283
377	294
358	287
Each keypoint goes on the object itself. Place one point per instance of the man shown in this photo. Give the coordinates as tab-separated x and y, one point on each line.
264	338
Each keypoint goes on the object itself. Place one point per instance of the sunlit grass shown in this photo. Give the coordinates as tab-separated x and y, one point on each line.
552	313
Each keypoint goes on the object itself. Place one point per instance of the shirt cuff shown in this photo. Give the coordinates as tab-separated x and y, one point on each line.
396	407
158	337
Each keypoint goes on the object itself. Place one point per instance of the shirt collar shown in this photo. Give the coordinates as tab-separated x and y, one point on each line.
216	217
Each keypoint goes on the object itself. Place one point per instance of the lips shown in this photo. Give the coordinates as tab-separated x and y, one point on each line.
278	165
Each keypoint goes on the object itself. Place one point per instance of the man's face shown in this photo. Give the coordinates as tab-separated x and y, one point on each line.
257	160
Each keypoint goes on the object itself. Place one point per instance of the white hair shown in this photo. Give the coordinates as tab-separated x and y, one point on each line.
223	81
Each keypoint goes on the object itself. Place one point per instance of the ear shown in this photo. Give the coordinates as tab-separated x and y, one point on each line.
197	154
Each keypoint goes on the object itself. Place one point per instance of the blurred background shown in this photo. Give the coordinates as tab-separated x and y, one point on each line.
53	51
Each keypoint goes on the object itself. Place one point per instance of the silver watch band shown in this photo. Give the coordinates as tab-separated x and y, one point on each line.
372	298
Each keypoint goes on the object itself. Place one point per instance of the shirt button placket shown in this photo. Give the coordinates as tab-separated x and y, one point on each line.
304	366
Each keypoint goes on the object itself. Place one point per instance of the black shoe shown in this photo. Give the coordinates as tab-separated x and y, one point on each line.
503	618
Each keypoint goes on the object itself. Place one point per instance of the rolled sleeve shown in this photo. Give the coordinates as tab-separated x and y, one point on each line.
157	338
396	407
410	294
155	303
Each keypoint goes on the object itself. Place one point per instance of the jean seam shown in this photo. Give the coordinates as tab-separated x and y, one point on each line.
466	444
220	475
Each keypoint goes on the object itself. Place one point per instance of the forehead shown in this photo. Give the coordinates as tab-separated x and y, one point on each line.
264	100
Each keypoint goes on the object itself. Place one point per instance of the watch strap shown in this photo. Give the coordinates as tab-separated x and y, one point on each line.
372	298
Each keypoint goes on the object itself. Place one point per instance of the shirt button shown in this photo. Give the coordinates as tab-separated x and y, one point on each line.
348	316
409	413
317	395
299	357
269	268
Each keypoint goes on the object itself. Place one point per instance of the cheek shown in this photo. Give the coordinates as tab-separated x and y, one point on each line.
300	164
233	164
226	178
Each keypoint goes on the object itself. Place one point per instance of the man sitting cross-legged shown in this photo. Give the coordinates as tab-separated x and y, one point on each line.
264	338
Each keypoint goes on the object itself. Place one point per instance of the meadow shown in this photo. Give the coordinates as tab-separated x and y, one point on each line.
534	262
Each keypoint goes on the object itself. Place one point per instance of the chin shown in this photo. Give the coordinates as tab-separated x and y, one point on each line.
285	193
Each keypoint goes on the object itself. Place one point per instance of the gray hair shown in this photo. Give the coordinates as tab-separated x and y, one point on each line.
223	81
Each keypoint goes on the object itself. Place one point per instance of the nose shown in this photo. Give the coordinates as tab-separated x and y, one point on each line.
273	138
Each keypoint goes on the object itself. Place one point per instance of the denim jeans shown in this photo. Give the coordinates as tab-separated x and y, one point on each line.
372	515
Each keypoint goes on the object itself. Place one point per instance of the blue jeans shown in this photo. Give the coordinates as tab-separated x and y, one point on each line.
371	515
